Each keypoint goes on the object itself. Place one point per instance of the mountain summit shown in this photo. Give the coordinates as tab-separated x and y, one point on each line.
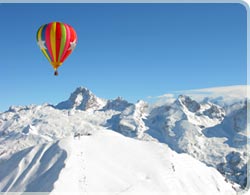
82	99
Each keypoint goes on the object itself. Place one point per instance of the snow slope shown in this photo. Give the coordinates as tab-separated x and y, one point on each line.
108	163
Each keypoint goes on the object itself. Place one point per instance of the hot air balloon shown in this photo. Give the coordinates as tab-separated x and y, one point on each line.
57	40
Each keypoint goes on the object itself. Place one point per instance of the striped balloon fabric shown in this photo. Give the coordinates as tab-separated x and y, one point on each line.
56	40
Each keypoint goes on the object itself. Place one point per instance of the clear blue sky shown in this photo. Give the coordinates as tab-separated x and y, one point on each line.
128	50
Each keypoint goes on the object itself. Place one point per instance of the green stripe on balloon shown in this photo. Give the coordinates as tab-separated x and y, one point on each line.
63	41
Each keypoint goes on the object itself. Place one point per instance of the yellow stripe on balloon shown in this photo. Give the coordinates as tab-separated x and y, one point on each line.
53	40
39	38
63	40
39	35
46	55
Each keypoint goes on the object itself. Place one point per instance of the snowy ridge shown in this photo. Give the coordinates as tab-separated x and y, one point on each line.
130	122
31	168
52	166
118	104
88	129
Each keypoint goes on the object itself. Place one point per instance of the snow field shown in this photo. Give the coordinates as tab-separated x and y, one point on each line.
109	163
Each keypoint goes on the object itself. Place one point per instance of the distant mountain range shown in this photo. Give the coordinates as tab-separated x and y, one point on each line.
201	127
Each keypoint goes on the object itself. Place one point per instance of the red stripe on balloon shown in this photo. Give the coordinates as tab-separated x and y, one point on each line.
67	44
58	39
73	34
47	40
72	37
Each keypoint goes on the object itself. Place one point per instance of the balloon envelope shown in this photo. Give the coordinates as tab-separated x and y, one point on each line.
57	40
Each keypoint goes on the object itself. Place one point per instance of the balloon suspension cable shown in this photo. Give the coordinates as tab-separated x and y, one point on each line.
56	73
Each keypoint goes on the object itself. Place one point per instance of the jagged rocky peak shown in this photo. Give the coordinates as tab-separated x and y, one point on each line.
19	108
82	99
80	94
142	103
142	106
190	104
215	111
118	104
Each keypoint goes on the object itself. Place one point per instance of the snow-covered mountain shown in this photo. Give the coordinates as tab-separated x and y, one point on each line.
82	99
119	104
90	144
205	131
